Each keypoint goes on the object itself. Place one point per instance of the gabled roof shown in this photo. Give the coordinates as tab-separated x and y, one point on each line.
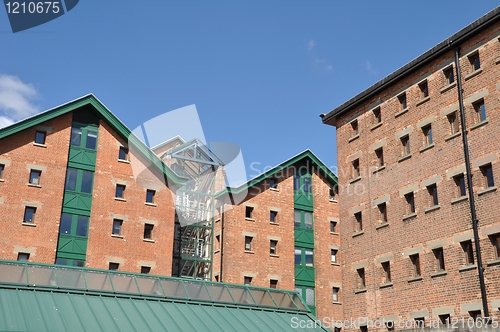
43	297
305	155
105	114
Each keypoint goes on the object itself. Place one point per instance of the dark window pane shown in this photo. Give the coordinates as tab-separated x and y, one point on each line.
308	220
78	263
65	226
150	194
35	177
120	191
40	137
23	257
296	182
76	136
82	226
87	182
122	155
148	231
309	257
71	179
307	184
91	140
29	214
297	216
60	261
298	256
145	269
117	225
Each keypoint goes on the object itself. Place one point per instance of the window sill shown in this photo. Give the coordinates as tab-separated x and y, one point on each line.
425	148
480	124
409	216
487	190
249	252
150	204
123	161
334	233
40	145
375	126
385	285
34	185
335	264
274	255
120	199
353	138
474	73
448	87
467	267
333	200
432	208
217	220
355	179
358	233
403	158
250	219
452	136
336	302
357	291
274	223
117	236
493	262
385	224
403	111
274	189
421	101
378	169
438	274
149	240
30	224
2	180
417	278
460	199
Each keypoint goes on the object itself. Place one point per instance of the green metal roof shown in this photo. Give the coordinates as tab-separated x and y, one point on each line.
39	297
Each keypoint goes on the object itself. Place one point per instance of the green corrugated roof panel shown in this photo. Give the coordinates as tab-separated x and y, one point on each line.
42	310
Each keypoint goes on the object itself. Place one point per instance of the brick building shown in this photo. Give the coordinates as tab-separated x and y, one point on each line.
78	188
408	238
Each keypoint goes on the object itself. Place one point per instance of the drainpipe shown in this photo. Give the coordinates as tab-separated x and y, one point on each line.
469	187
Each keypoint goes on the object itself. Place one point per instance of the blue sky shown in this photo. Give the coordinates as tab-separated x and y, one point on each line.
259	72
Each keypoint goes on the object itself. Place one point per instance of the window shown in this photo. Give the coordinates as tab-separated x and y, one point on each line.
495	240
379	153
453	121
23	256
273	283
333	192
40	137
410	203
79	180
248	243
377	115
480	111
304	256
247	281
83	136
358	217
217	242
148	231
415	261
363	328
487	172
35	177
460	183
273	215
355	169
427	130
29	214
73	225
273	183
433	195
468	251
449	75
361	278
120	191
114	266
476	315
2	168
335	294
445	319
402	101
354	125
424	89
419	322
145	269
439	255
117	227
303	219
248	212
386	266
382	210
272	247
405	143
475	62
123	153
302	180
333	226
333	255
150	196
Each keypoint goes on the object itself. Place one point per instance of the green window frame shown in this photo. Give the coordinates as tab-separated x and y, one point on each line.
84	136
79	180
307	294
74	225
303	219
70	262
304	256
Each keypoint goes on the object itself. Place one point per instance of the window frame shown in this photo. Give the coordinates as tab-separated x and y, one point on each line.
153	193
335	294
145	269
410	203
249	212
439	256
480	110
23	256
32	179
273	217
424	89
468	252
403	102
356	173
461	188
113	266
247	280
84	130
361	278
433	194
453	122
273	283
355	128
358	218
123	151
120	191
119	223
405	144
273	247
273	183
248	243
386	267
333	226
44	137
304	224
475	61
427	131
379	153
305	253
415	261
449	74
488	179
333	256
382	212
33	210
148	231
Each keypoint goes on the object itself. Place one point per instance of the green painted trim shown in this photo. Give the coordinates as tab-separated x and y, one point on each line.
307	154
104	114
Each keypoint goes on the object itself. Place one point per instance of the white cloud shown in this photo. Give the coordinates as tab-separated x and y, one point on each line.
310	45
16	100
367	65
319	63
